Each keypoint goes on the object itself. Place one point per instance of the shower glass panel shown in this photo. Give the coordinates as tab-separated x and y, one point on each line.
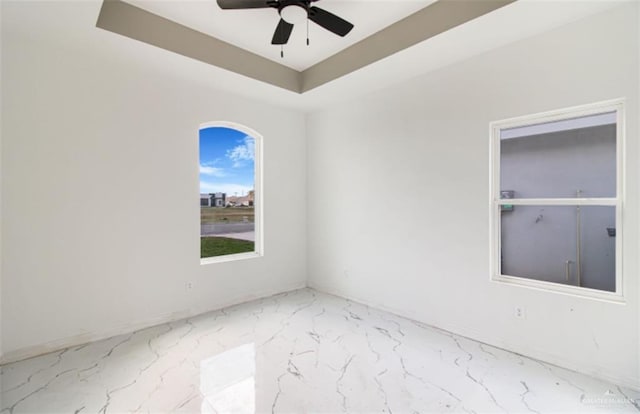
571	158
571	245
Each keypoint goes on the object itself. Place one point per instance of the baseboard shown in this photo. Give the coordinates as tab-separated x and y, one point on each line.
472	334
81	339
467	332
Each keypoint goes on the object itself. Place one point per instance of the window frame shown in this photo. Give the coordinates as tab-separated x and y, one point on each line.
615	105
258	196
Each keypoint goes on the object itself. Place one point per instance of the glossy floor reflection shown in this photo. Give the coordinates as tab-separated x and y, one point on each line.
298	353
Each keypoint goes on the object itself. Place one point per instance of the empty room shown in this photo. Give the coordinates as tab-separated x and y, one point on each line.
405	206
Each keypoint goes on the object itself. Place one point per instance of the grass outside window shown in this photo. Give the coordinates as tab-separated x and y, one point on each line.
219	246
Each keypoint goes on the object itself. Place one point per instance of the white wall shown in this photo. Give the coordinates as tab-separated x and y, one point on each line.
398	201
100	208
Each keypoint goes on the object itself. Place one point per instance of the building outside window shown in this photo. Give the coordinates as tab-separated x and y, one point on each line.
230	208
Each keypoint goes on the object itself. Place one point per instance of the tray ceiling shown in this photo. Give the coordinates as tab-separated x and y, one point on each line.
355	71
438	17
252	29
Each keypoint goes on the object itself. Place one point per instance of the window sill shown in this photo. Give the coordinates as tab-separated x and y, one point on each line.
569	290
229	258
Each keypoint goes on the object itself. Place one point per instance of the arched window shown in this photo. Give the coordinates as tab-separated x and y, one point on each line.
230	192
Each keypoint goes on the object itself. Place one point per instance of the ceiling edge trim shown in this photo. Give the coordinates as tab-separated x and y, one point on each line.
125	19
426	23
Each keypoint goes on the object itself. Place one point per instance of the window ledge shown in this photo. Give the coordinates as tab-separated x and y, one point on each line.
569	290
230	258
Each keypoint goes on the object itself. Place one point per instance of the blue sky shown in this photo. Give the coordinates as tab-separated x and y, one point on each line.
226	161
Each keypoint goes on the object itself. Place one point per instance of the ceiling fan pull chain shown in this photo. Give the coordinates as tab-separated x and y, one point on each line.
281	51
307	28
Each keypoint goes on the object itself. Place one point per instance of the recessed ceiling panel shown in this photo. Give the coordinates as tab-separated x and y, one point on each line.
252	29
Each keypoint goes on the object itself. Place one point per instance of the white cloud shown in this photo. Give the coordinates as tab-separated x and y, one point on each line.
214	171
243	152
229	188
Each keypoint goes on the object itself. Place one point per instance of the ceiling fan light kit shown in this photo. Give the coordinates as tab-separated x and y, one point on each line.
292	12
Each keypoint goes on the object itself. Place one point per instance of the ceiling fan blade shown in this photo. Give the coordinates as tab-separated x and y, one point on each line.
282	33
329	21
244	4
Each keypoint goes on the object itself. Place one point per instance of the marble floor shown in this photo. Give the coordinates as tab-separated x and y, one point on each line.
299	352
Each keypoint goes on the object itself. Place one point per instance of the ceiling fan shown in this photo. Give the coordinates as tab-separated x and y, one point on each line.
287	8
